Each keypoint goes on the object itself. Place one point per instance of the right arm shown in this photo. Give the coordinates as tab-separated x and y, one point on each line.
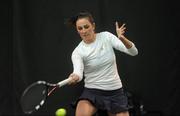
78	68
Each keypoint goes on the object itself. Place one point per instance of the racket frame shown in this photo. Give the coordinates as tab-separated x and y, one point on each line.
48	92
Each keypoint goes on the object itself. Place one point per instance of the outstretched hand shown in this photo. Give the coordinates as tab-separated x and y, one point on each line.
120	30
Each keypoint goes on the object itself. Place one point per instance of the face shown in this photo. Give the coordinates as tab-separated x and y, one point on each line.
85	29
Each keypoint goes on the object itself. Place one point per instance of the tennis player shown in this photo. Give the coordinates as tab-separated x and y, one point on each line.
95	60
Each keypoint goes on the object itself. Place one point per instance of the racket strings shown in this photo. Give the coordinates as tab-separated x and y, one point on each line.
33	97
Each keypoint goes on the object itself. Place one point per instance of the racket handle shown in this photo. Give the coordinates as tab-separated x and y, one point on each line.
64	82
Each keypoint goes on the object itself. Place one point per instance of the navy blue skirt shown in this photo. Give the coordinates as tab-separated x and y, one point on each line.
113	101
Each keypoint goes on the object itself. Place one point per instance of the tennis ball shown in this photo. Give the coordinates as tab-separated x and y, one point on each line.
61	112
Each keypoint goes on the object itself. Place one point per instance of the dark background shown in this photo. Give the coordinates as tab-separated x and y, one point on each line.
36	45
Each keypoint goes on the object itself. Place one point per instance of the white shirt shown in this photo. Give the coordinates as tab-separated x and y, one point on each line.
98	61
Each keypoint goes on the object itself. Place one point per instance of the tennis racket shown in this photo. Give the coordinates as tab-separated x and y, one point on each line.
35	95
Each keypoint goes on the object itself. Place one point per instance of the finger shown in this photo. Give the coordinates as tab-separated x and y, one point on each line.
71	81
117	26
71	74
75	77
122	26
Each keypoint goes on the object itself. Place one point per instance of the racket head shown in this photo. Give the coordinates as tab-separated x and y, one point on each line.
34	97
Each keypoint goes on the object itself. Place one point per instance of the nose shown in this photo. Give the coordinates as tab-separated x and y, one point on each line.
83	30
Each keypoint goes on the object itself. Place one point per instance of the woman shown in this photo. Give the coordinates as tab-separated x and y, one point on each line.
94	59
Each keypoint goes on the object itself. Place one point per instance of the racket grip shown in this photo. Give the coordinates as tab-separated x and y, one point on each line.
64	82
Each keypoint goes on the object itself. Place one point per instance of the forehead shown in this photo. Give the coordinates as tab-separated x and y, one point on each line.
83	21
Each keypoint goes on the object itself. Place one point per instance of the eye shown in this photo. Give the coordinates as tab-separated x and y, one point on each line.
86	26
79	28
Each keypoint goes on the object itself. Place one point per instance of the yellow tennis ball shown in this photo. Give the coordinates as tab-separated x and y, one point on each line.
61	112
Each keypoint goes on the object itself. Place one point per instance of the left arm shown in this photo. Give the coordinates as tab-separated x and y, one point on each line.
120	33
127	43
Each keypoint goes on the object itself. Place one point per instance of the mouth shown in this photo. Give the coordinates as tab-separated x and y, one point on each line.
85	35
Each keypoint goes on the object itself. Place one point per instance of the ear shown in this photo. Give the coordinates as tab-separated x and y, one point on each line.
94	26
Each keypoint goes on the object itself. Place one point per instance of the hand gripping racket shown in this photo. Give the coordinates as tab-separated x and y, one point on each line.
35	95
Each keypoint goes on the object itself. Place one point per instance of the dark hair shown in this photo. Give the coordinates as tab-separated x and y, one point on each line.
84	14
